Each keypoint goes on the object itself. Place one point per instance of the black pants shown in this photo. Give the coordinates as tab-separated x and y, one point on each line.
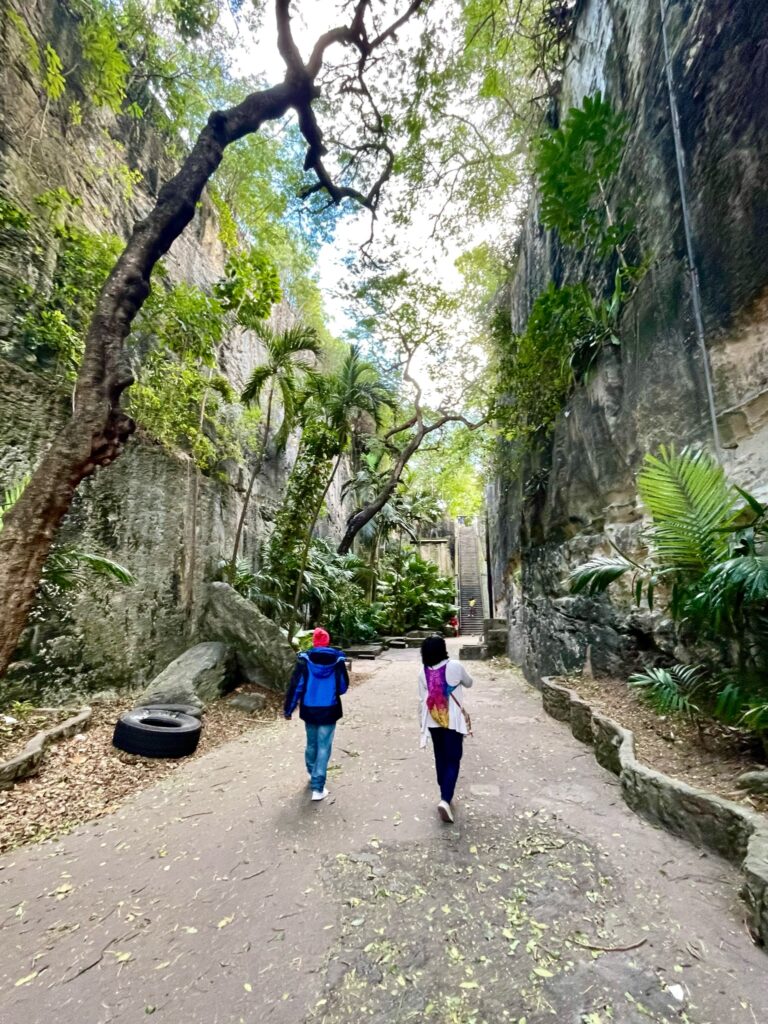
449	746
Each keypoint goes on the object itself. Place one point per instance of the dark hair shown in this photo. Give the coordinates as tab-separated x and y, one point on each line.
433	651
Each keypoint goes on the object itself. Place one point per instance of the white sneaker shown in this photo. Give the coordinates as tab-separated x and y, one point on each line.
319	796
445	812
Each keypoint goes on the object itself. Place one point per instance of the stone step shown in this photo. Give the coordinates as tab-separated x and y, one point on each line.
366	652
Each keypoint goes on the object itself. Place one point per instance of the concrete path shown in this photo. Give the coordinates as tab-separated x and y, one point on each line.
224	896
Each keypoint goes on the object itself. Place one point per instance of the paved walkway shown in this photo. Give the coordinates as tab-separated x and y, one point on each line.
224	896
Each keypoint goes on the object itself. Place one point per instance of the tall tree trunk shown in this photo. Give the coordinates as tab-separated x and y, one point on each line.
99	428
373	563
307	546
254	477
356	522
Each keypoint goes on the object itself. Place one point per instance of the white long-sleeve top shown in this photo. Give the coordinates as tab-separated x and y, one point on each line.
456	675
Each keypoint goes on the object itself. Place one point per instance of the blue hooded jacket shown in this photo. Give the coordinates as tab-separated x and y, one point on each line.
317	683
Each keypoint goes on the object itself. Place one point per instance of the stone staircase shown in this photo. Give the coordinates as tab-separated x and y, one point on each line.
470	583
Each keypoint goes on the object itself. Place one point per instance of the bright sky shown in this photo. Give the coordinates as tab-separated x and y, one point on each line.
311	18
260	55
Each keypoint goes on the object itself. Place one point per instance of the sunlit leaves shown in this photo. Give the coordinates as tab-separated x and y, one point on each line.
574	166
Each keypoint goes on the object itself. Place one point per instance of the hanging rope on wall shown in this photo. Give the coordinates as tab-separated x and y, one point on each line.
692	272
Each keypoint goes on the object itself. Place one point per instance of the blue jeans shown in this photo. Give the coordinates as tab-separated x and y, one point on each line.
318	754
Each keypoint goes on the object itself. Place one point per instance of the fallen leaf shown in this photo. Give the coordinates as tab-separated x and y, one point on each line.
26	979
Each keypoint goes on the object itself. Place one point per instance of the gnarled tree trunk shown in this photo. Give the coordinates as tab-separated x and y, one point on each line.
98	429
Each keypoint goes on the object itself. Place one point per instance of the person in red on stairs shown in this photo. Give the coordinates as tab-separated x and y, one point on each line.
441	687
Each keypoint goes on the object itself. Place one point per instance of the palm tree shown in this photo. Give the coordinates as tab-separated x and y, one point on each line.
288	353
344	400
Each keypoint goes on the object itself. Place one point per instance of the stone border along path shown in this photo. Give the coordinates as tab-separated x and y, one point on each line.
28	760
706	820
222	894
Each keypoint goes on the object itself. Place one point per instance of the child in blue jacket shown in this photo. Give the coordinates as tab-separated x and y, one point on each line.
317	683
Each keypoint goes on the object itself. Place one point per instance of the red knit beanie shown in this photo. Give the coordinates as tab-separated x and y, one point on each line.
321	638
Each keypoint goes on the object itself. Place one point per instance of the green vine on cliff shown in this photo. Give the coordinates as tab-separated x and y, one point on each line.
568	326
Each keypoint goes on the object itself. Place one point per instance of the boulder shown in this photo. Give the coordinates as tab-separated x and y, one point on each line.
263	654
473	653
249	702
196	677
754	782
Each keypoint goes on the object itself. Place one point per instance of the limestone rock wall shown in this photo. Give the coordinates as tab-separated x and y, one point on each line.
568	502
153	511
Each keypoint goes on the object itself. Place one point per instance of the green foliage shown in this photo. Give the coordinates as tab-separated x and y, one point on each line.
13	218
106	72
672	690
67	568
178	402
574	166
54	82
692	506
11	495
289	356
56	325
193	17
250	287
228	235
535	371
707	547
185	320
31	49
595	576
413	595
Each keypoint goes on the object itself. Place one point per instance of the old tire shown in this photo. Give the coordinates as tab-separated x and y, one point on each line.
185	709
157	733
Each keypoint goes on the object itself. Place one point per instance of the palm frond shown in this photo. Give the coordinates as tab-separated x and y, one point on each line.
669	690
299	340
756	717
742	580
105	567
729	704
256	383
691	504
596	575
11	496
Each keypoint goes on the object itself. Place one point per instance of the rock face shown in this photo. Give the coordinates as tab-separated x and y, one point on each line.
196	677
578	494
263	654
153	510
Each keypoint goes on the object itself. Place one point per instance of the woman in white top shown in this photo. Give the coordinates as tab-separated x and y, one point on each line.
441	682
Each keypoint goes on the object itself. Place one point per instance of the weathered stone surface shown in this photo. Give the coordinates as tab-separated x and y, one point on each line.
753	782
365	651
489	624
249	702
557	701
263	653
196	677
581	720
702	818
608	738
472	652
755	868
706	820
496	641
576	495
28	761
